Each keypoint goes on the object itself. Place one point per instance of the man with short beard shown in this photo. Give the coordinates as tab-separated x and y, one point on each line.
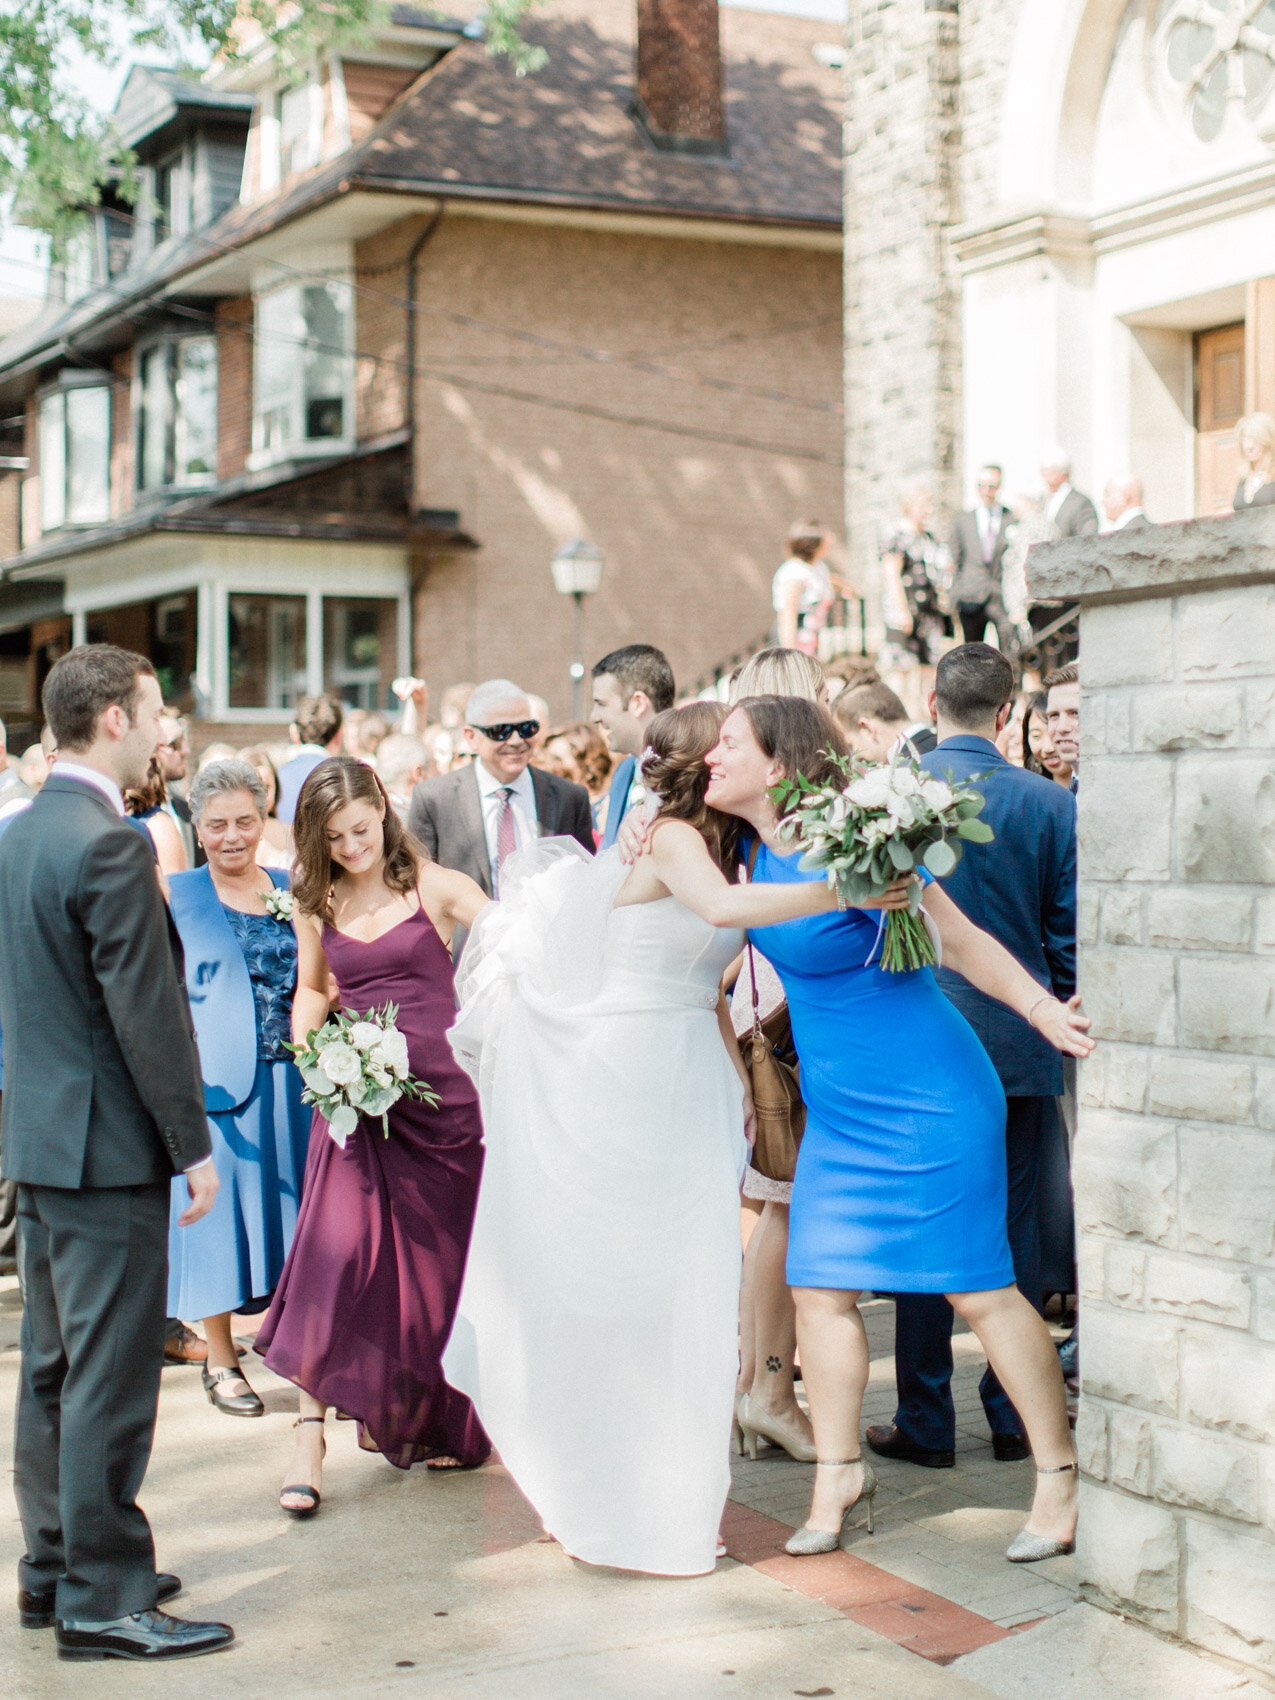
630	687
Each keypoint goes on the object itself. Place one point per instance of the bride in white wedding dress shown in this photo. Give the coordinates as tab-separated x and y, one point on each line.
596	1332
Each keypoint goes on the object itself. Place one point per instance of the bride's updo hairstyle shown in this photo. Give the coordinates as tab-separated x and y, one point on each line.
332	785
675	770
798	735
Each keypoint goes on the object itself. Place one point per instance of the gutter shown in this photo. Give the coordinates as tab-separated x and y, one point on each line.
409	471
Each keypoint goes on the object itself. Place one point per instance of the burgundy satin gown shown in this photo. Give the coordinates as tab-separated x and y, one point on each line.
368	1294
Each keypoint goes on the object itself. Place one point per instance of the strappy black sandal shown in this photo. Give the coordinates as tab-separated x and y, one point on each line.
312	1493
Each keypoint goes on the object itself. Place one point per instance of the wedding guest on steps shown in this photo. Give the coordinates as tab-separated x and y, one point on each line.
1255	435
241	974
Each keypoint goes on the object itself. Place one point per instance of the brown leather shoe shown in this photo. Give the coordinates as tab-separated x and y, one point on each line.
185	1348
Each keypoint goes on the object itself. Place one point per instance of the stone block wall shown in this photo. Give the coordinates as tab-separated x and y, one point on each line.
1174	1165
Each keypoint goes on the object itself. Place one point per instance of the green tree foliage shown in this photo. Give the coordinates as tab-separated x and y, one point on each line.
57	151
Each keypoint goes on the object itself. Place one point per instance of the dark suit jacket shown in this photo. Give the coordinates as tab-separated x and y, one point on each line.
102	1082
447	816
924	740
1077	517
977	579
1021	889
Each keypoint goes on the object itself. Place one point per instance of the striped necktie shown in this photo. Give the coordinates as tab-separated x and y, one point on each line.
506	834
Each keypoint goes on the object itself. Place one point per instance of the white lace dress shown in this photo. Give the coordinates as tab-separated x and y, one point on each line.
597	1326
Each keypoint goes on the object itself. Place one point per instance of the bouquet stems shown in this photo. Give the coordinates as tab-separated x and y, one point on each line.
906	944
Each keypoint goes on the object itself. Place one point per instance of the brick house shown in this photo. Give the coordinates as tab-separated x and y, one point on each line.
321	407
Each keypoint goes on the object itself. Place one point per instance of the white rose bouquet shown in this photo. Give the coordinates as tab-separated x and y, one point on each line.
356	1065
888	820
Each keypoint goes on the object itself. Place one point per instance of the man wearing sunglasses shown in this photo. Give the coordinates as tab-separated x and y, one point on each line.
475	817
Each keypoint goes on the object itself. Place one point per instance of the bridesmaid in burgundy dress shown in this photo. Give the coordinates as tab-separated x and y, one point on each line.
368	1293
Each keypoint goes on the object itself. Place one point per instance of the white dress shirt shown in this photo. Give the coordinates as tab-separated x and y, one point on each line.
989	520
1126	516
115	797
523	803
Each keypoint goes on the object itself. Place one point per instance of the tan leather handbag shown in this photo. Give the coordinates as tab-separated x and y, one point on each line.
781	1114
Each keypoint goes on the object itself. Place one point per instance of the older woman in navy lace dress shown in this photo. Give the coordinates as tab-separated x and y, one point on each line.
241	974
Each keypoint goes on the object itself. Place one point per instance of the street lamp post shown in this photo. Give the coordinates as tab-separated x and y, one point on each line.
577	572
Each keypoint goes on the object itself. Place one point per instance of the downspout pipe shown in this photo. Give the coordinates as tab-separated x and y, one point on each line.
410	342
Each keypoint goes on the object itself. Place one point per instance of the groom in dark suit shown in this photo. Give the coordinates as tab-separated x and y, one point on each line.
102	1104
1021	889
475	816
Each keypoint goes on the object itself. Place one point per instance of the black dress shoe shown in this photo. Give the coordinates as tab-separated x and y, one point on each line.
232	1404
144	1635
1010	1448
37	1608
892	1443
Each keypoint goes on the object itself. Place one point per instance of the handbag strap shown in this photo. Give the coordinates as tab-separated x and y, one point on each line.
750	864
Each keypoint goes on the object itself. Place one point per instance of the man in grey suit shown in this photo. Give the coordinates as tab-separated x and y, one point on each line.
475	816
1070	509
102	1105
979	540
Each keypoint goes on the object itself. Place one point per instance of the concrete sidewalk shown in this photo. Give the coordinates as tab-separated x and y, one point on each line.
434	1587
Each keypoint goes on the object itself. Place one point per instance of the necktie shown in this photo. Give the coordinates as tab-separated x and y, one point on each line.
506	836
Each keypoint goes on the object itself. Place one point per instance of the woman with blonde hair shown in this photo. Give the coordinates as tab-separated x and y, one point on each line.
368	1293
1255	435
780	673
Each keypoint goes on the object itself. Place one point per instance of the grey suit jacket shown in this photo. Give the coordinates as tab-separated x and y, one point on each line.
1077	517
447	816
102	1085
976	579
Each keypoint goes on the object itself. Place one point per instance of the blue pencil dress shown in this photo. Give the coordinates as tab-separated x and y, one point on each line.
900	1185
241	974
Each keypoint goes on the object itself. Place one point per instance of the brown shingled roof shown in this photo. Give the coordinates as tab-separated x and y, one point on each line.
565	135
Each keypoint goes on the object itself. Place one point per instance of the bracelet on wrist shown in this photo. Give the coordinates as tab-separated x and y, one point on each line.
1045	997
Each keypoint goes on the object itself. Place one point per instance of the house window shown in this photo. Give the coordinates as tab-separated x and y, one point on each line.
75	448
360	648
300	118
174	179
176	404
267	642
79	268
303	370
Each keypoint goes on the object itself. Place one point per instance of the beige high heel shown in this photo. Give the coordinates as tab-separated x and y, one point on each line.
736	1430
773	1429
806	1541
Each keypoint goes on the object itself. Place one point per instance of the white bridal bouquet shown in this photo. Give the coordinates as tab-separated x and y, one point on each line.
356	1065
887	820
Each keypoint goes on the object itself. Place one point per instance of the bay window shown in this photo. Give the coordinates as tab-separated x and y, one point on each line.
303	370
75	453
175	400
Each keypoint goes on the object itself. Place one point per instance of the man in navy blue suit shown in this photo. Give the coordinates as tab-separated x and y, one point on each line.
1021	888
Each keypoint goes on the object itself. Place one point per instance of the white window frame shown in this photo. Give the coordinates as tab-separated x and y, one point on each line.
290	443
306	100
170	346
56	456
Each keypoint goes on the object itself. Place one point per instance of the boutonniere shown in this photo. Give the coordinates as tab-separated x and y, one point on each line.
279	901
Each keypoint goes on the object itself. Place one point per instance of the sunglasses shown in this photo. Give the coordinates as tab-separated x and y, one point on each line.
506	729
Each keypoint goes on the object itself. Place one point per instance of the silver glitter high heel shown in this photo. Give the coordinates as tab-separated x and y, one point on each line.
807	1541
1026	1548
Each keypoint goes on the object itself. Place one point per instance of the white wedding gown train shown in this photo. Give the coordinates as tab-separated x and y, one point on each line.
597	1325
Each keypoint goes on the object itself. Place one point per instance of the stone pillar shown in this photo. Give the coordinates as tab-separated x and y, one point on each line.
1174	1164
902	297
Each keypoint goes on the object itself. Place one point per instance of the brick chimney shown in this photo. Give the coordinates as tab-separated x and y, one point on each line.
679	76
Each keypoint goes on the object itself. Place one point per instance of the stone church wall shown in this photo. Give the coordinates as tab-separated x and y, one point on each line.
1174	1165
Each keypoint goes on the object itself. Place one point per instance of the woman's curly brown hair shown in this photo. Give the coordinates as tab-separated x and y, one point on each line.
333	784
676	770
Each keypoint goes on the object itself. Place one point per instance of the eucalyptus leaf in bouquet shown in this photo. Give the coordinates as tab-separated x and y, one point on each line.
357	1065
887	821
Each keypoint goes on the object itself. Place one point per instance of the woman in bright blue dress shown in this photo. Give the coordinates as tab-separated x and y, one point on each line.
900	1186
241	974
